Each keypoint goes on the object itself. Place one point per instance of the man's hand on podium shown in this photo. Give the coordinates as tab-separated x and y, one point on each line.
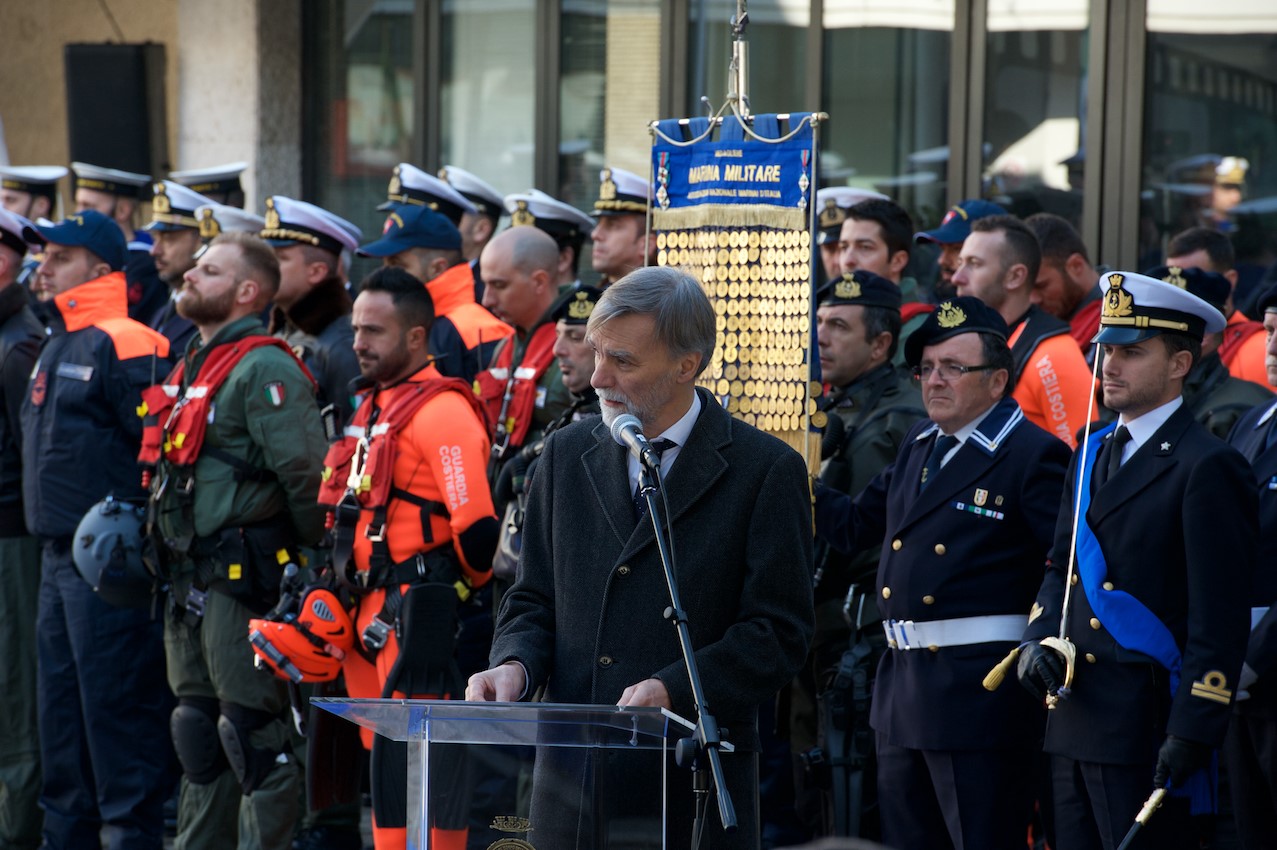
505	683
646	692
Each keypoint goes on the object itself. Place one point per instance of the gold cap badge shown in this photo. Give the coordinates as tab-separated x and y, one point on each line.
209	228
160	203
522	215
581	307
272	215
607	189
832	215
1175	277
847	288
950	316
396	186
1118	303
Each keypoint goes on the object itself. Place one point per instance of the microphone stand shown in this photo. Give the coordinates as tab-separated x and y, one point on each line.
706	740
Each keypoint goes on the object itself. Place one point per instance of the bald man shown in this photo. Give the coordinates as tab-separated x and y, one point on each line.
523	390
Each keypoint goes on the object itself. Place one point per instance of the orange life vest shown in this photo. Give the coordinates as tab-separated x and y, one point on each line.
1234	335
173	427
371	446
509	392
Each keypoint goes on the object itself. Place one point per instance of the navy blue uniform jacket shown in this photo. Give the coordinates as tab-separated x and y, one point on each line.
1249	437
972	543
1178	527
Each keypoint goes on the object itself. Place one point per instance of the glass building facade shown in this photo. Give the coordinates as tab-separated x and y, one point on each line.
1131	118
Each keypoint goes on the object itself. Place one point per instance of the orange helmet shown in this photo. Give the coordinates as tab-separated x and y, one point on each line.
308	646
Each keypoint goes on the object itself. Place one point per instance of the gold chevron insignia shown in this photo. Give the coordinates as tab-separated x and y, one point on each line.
1118	303
950	316
848	287
1036	611
1213	687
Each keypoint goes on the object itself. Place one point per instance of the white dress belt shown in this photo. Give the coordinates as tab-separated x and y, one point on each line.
908	634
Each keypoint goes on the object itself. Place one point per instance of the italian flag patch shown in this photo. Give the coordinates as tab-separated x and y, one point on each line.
275	393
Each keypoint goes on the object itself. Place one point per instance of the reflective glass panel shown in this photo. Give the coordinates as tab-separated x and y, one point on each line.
886	85
359	107
1035	106
488	99
1210	130
607	96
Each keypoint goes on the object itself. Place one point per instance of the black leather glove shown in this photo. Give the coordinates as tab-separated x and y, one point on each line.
1178	759
1040	670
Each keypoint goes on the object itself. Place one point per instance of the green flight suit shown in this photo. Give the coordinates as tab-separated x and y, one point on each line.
265	416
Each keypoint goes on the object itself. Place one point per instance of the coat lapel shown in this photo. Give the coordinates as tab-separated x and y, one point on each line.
972	460
700	463
605	467
1150	462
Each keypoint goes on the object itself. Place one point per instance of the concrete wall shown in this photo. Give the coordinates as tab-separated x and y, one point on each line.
33	97
232	81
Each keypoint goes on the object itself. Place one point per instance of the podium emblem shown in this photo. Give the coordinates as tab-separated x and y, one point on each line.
506	823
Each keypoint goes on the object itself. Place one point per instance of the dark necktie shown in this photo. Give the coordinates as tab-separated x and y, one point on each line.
1271	437
943	443
660	446
1113	452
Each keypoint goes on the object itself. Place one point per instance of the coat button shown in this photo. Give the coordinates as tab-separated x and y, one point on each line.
623	570
1095	624
1090	658
1073	579
928	600
934	648
886	593
896	544
940	549
1108	585
605	661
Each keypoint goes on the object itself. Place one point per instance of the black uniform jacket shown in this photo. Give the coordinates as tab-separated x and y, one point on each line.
1177	525
972	543
1250	437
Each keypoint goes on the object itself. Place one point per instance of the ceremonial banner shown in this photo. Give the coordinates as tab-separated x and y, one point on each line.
735	212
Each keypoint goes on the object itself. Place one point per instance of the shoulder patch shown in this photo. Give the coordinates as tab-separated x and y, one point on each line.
274	392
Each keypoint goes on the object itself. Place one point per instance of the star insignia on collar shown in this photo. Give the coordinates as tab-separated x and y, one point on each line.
1166	447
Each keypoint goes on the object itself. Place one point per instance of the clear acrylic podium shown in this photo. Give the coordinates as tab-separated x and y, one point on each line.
599	779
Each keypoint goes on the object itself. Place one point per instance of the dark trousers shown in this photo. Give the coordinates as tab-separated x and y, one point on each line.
104	710
1250	754
965	800
1096	805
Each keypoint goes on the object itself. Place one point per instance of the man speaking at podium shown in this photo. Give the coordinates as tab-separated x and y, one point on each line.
585	618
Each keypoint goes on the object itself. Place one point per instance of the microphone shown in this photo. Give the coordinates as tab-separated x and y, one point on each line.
628	432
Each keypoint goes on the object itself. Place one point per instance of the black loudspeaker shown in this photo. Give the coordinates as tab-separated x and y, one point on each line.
115	106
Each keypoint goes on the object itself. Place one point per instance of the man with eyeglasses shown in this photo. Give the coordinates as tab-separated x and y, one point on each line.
965	516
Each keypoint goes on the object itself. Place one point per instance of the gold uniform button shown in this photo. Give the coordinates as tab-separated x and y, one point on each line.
1090	658
928	600
605	661
623	570
1095	624
886	593
1108	585
896	544
1073	579
940	550
934	648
